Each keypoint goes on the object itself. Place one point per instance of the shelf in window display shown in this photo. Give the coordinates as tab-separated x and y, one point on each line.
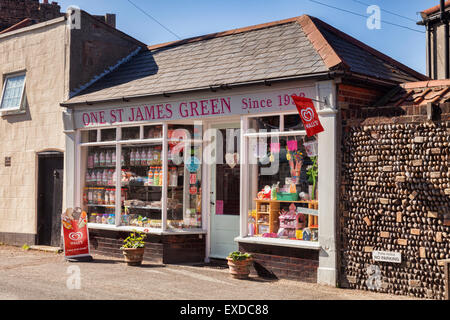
111	166
146	208
193	141
143	165
101	205
112	186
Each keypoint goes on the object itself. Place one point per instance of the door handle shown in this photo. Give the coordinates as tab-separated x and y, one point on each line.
212	203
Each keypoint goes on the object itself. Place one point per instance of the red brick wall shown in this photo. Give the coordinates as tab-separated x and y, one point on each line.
283	262
14	11
394	115
352	99
158	248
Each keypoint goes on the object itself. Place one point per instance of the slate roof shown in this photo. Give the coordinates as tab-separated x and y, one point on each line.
418	93
287	48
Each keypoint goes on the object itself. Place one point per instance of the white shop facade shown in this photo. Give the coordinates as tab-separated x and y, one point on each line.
199	165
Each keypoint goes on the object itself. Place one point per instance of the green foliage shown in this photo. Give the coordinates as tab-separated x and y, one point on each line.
239	256
313	173
134	240
26	247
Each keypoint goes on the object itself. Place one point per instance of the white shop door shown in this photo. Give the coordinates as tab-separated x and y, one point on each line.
225	191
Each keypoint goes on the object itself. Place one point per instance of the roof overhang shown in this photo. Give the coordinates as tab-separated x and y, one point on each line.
338	74
266	82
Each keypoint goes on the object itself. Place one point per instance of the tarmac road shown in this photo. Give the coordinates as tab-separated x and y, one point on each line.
40	275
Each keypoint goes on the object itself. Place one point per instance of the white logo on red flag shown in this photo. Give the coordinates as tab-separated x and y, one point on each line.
308	115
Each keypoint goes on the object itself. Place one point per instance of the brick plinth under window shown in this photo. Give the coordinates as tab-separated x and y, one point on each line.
158	248
283	262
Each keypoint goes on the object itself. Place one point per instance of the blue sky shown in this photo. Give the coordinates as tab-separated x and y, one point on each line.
188	18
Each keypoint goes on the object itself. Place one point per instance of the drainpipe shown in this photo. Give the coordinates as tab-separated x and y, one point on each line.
429	50
445	22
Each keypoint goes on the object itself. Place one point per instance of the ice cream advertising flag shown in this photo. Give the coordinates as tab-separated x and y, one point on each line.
308	114
76	237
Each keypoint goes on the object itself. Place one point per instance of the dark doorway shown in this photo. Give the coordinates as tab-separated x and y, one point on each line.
50	191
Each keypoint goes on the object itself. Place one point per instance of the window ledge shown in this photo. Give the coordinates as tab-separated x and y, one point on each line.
280	242
99	226
12	112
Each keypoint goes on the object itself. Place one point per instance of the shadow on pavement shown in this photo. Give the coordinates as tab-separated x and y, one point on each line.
259	279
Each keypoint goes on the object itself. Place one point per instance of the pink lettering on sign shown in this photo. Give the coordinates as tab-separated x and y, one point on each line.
204	107
197	108
102	117
93	118
248	103
152	112
86	119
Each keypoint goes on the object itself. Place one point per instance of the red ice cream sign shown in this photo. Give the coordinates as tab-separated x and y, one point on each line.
308	114
76	238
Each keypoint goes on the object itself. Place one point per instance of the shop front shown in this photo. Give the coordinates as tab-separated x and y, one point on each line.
209	173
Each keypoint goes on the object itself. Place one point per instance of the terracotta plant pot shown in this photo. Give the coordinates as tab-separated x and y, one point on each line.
133	256
240	269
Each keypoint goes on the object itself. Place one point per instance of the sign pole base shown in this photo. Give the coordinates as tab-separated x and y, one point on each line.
80	259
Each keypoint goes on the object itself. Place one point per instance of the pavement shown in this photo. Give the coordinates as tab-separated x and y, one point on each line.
42	275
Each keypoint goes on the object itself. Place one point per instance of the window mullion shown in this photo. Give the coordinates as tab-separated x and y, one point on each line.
164	184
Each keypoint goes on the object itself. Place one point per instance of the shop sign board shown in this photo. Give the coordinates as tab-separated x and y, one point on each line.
387	256
76	237
262	102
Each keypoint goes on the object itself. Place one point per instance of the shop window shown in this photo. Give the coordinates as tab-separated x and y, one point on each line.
184	210
265	124
131	133
88	136
141	184
293	122
153	132
99	193
108	135
123	183
13	92
282	173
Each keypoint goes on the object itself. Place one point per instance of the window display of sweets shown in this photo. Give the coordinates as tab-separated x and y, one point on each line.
142	178
284	200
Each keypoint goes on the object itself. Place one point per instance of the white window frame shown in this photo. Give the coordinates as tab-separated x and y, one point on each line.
245	200
118	144
22	99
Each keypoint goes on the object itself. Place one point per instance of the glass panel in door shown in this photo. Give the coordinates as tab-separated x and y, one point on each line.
225	190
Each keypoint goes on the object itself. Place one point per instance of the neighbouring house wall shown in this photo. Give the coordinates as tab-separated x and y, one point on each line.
14	11
95	47
395	196
53	57
41	53
439	54
436	59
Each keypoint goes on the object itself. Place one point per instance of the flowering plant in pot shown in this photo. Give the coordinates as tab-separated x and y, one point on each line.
239	264
133	248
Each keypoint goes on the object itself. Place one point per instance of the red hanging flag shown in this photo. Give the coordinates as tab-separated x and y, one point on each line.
308	114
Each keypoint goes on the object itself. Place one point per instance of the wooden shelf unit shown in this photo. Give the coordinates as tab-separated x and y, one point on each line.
313	221
273	212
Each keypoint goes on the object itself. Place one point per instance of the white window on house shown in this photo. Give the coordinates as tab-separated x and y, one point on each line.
13	92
